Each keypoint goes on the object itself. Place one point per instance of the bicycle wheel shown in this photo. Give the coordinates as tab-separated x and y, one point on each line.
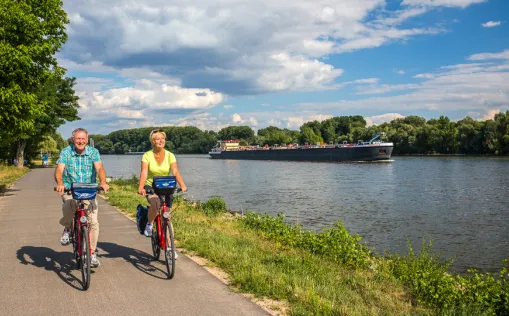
85	258
74	241
156	250
169	252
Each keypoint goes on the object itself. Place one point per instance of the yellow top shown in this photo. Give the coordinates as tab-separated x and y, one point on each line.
158	170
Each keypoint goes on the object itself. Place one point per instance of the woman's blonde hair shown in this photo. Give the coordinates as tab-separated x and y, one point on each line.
154	133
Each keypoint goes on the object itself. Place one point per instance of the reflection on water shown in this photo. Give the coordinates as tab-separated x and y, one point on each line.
459	202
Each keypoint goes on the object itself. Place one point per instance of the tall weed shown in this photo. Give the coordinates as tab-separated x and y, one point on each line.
336	242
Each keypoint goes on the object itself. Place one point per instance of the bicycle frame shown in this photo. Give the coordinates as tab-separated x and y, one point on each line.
159	222
78	214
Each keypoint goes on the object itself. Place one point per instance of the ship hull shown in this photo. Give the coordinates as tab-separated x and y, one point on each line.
351	153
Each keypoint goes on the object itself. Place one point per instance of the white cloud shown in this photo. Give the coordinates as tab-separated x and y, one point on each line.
386	88
227	107
297	73
424	76
251	121
491	24
445	3
380	119
134	102
487	56
400	71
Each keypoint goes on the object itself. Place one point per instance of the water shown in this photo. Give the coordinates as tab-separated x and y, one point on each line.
459	202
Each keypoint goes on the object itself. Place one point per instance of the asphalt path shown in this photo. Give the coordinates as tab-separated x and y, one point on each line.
38	275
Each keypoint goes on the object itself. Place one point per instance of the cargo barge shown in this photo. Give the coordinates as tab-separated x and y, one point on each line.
361	151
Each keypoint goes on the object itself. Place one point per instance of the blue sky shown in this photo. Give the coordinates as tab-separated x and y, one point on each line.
213	64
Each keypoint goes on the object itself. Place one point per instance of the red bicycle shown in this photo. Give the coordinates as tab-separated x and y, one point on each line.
80	235
162	234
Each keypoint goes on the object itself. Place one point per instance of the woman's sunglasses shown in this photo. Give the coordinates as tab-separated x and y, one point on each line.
156	131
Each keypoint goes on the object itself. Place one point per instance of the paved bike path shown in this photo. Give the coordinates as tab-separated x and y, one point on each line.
38	275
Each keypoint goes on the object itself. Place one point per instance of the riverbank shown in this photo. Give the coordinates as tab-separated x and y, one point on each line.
330	272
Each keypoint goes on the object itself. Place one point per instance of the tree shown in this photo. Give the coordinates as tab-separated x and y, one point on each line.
31	33
309	136
48	145
502	120
236	132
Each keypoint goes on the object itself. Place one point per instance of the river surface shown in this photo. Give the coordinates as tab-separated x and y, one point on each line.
462	203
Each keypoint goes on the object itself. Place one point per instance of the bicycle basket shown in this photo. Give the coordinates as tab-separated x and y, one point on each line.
164	185
84	191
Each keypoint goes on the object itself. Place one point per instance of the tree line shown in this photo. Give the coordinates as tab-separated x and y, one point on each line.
410	135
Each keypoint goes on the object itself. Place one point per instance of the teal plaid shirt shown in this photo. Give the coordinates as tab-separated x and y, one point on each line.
79	168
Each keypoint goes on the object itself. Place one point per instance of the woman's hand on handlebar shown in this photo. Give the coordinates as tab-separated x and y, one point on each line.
183	188
141	191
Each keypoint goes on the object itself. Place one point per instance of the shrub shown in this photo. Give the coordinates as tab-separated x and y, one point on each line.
432	284
214	206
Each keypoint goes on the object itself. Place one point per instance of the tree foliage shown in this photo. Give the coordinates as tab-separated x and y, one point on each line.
31	33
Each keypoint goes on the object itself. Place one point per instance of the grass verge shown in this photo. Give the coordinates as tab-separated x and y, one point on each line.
9	175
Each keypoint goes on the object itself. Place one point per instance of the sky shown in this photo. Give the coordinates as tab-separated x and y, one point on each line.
218	63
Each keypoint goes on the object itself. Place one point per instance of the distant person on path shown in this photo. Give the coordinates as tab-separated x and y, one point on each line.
157	162
80	163
45	160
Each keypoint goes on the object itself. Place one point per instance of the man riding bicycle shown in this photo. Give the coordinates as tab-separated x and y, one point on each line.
80	163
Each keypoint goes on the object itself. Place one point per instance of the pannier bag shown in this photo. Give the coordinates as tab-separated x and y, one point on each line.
141	218
164	185
84	191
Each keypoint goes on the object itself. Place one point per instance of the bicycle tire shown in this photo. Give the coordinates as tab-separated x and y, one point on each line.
75	238
85	258
169	256
156	250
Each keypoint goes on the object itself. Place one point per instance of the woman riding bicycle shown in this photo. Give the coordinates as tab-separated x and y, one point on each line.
157	162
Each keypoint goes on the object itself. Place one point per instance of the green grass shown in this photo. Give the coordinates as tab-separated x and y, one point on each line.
9	175
326	273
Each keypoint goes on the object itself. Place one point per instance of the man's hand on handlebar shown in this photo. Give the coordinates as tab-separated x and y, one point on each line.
60	189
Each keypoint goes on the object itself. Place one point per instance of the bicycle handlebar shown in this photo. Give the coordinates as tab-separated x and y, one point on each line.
68	191
151	191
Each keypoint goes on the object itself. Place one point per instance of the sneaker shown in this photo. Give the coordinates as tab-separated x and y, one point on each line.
64	240
148	230
175	252
94	262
